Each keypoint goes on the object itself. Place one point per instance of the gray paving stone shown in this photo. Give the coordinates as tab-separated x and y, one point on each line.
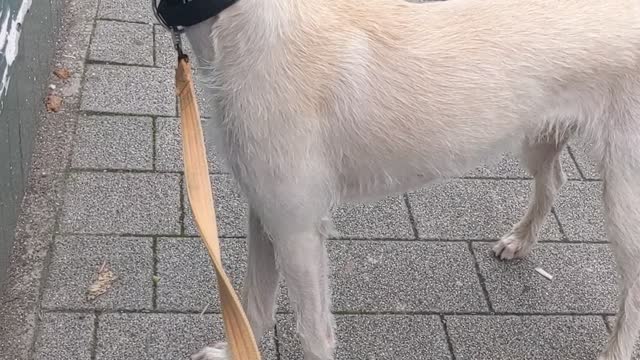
64	336
526	337
366	276
169	148
123	203
75	265
129	89
474	209
165	53
388	276
375	337
125	43
114	142
584	279
162	336
388	218
231	208
508	166
580	210
187	280
127	10
586	162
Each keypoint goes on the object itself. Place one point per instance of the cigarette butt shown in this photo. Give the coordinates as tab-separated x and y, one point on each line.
544	273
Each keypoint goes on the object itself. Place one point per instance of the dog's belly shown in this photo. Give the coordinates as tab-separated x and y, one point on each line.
365	190
378	179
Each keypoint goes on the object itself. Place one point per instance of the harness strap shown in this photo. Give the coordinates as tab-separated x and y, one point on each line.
241	342
183	13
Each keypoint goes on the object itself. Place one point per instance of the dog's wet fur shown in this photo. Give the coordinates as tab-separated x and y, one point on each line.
329	101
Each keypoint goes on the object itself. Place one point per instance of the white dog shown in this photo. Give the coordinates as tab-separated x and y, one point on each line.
325	101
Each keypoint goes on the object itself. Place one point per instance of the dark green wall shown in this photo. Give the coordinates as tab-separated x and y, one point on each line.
21	104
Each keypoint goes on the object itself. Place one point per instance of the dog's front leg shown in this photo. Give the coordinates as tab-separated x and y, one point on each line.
261	280
294	233
303	261
259	290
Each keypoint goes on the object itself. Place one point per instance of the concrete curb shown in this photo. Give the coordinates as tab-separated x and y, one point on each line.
19	309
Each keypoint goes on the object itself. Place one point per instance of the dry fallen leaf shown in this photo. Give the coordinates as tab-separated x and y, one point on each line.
53	103
62	73
102	284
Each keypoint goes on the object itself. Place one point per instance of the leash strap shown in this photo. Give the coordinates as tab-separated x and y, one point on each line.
241	344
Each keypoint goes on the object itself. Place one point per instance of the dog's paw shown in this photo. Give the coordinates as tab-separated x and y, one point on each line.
218	352
512	247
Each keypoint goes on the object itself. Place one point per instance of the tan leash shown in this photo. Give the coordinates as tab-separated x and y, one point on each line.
241	344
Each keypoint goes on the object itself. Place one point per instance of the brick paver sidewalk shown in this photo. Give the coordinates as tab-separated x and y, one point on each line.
413	275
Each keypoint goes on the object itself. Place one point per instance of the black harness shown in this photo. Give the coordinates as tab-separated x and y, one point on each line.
177	14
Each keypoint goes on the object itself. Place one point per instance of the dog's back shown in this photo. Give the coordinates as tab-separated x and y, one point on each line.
426	89
437	84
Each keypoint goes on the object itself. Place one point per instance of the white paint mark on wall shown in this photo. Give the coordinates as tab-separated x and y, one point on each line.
9	40
4	29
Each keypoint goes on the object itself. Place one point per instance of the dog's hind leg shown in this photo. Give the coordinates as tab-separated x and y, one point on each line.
621	191
542	160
